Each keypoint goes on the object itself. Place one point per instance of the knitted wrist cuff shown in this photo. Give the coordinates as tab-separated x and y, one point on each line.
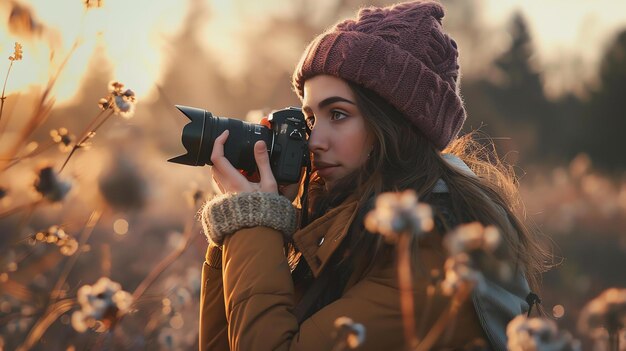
228	213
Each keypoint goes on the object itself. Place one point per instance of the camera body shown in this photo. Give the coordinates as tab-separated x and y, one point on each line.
289	152
286	141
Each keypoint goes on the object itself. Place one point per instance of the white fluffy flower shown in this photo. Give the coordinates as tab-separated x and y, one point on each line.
397	213
348	334
459	271
538	334
104	301
472	250
50	186
472	236
121	100
605	312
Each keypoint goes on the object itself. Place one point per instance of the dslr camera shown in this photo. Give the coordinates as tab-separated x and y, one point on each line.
286	141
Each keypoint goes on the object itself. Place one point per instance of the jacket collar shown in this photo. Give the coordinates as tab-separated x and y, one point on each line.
320	238
331	228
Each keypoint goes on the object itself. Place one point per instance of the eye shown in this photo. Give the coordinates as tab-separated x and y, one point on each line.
336	115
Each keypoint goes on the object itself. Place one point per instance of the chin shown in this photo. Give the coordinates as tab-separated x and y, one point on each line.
328	186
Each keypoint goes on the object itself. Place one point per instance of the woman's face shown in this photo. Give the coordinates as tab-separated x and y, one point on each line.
339	141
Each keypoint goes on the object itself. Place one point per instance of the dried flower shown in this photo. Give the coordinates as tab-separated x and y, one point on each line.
104	103
123	187
22	21
89	4
103	302
607	312
538	334
471	237
56	235
397	213
50	186
348	334
17	52
121	100
68	247
169	339
62	137
52	235
459	271
472	250
115	87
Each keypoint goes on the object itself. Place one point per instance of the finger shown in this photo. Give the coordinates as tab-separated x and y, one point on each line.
268	182
217	182
222	164
217	155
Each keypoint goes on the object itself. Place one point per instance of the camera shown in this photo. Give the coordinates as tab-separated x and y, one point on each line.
286	141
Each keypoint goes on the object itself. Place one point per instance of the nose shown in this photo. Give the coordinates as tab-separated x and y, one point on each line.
318	140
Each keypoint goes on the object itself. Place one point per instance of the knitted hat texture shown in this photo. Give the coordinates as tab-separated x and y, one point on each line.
402	54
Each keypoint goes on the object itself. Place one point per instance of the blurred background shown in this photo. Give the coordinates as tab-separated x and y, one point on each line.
544	79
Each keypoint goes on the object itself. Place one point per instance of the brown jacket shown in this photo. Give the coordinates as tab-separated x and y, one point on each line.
247	303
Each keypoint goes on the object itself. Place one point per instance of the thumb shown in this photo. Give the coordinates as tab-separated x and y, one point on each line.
268	182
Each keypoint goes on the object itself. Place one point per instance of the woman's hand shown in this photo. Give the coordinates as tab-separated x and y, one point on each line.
230	180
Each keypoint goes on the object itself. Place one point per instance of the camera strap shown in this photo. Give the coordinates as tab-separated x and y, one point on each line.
302	311
304	199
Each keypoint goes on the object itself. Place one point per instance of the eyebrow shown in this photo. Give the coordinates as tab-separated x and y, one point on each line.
328	101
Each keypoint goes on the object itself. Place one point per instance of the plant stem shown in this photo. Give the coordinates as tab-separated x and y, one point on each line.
406	289
84	236
53	312
55	309
433	334
430	292
29	155
19	208
613	339
4	89
41	111
85	135
166	262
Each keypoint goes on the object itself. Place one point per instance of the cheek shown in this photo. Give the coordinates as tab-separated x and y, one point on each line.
353	148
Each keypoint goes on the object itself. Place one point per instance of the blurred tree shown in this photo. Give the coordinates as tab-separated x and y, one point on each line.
191	78
519	99
512	102
601	134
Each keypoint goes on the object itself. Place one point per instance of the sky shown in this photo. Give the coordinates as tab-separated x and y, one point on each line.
136	34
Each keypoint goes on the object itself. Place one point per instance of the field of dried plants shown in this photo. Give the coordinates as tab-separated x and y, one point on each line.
100	247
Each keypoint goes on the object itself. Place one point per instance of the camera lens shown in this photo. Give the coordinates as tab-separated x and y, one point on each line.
199	136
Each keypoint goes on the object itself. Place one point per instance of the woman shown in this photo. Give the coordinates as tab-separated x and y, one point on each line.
380	95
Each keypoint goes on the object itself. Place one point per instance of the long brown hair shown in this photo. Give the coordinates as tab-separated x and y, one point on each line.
403	158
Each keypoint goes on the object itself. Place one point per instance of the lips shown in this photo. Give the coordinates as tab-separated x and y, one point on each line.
323	168
318	165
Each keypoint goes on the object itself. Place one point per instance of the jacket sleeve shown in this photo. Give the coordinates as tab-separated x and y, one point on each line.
259	297
213	326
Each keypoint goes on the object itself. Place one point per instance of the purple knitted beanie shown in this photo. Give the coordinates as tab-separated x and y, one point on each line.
402	54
